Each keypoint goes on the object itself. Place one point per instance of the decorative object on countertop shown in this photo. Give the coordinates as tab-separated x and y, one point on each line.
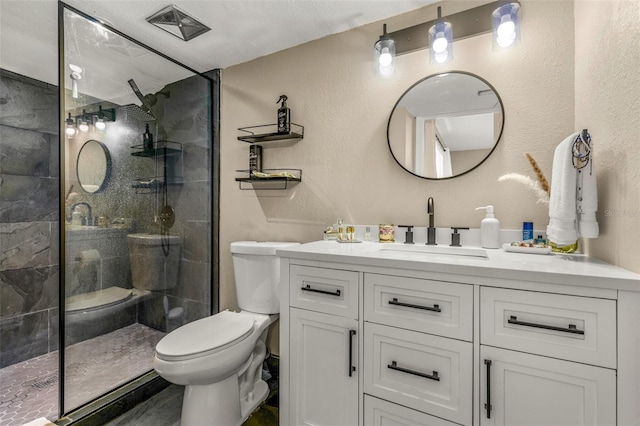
527	231
284	116
489	229
540	186
386	233
347	235
574	196
527	248
331	233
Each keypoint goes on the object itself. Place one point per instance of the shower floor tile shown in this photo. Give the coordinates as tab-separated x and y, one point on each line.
29	390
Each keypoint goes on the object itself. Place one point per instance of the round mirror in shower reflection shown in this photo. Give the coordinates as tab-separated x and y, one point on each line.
94	166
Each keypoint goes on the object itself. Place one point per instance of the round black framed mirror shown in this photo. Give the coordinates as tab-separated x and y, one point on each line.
445	125
93	166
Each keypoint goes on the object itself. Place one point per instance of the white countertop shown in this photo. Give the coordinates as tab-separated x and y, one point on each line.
555	268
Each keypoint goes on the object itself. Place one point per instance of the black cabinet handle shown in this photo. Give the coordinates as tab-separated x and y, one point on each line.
315	290
351	366
435	308
571	329
432	376
488	407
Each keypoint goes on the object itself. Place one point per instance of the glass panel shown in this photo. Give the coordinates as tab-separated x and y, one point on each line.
137	243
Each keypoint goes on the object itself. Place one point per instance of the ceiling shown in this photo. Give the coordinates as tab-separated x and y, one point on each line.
241	30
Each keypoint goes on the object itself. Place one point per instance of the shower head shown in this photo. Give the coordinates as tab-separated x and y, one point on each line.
145	104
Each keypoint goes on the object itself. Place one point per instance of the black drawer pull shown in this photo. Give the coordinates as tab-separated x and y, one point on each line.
488	406
315	290
351	366
571	329
433	376
435	308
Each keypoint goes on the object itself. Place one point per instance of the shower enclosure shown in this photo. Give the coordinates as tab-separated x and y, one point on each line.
137	216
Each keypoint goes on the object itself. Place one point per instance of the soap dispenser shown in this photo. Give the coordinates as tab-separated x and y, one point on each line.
489	229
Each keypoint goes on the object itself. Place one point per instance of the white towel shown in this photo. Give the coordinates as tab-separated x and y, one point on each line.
574	199
587	203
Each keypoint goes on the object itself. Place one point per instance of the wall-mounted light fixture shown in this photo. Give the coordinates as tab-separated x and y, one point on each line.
385	50
83	121
505	25
440	41
478	20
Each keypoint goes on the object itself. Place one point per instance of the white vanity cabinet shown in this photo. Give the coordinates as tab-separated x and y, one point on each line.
368	340
571	377
323	346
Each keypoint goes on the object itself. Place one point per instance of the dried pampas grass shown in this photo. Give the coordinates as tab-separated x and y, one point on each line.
534	185
544	184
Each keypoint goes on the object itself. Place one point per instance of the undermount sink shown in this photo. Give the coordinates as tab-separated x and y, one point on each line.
436	250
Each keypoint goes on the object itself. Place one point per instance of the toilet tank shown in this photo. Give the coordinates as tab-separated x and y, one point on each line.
154	264
257	272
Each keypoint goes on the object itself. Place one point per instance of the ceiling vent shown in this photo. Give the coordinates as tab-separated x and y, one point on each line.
178	22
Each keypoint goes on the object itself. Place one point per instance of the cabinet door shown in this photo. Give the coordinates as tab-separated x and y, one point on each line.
530	390
324	369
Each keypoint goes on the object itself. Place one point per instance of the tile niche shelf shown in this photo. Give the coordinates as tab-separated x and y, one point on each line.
269	178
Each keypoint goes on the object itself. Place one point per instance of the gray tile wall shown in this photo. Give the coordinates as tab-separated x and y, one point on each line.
29	255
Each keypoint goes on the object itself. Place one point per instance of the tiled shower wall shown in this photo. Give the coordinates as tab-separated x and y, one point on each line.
29	197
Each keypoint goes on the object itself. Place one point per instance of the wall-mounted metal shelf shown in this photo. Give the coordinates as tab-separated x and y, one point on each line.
159	148
268	178
269	133
170	154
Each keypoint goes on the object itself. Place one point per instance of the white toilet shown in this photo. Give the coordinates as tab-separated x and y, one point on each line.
219	358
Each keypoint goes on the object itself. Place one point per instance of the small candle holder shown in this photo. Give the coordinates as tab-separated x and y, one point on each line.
386	233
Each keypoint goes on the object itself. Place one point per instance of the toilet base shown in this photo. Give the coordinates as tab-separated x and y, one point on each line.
218	404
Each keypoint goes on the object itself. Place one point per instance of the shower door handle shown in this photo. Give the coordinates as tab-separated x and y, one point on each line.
352	368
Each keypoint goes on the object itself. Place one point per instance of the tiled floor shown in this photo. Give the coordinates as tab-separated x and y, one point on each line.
29	389
164	408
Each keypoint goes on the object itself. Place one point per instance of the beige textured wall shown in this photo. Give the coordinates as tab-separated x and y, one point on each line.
607	84
348	171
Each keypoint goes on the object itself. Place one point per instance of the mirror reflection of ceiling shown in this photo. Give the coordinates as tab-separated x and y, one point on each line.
242	30
450	97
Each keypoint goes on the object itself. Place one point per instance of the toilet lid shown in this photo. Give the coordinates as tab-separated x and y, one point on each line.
205	335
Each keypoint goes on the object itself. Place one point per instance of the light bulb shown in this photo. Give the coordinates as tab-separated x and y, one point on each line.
442	57
70	130
83	126
506	29
385	58
440	43
100	124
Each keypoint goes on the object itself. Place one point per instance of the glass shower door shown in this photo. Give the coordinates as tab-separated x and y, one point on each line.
137	176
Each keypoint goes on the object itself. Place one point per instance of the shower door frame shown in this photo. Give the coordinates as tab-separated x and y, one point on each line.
213	77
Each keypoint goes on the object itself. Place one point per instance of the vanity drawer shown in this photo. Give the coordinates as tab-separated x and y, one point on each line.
428	373
378	412
434	307
581	329
331	291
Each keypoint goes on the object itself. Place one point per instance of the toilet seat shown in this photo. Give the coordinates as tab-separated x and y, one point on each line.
205	336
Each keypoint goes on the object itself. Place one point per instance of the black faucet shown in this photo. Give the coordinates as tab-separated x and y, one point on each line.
431	231
82	203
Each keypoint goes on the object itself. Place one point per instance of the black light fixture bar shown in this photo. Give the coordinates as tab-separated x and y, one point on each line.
466	24
108	114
